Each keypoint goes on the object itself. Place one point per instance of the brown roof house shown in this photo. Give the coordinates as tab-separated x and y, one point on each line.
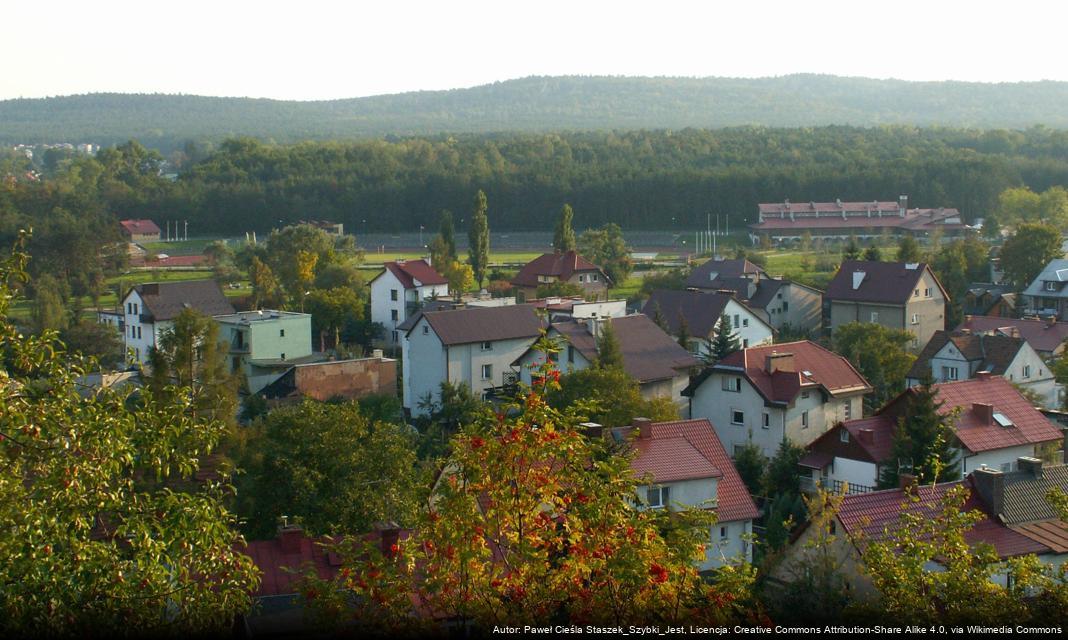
995	426
702	312
897	295
149	309
767	394
476	346
650	356
567	267
140	230
1045	336
400	291
779	302
958	355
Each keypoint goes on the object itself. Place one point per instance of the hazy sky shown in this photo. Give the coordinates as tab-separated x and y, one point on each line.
311	49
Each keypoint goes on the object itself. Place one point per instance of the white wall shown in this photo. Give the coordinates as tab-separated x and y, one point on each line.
726	550
855	471
753	335
603	309
994	459
712	402
382	306
465	362
424	366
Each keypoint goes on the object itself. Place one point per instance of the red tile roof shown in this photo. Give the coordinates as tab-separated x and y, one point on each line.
139	227
273	559
877	515
679	440
824	369
648	353
556	265
1041	335
881	428
883	282
671	460
414	273
777	208
1029	426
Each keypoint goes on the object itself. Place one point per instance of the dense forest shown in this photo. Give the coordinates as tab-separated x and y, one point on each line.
539	104
640	180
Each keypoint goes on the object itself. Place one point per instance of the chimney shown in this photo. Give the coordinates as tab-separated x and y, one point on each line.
593	430
1051	321
1030	465
858	277
388	535
377	353
984	412
902	205
290	536
866	436
990	483
982	375
906	480
780	362
644	427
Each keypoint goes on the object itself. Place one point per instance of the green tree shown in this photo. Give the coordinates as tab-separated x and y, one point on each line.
609	353
783	477
329	467
674	279
332	309
94	340
923	440
456	406
606	248
749	460
659	319
558	288
266	292
852	250
524	527
908	250
872	253
47	311
684	332
880	354
724	343
608	396
93	544
478	239
1028	251
564	234
447	234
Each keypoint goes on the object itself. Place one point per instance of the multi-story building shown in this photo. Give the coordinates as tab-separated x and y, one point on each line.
568	267
779	302
265	344
400	290
702	312
149	310
1047	295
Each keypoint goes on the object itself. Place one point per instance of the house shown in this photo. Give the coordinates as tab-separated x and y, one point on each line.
897	295
702	313
475	346
322	381
956	355
771	393
149	310
576	307
264	344
995	426
787	222
988	299
1047	294
568	267
1045	336
650	356
140	230
779	302
399	291
686	464
1014	519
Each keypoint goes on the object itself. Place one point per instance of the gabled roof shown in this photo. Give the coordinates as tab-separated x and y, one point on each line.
273	558
648	353
139	227
994	353
413	273
428	305
813	367
165	300
702	276
1055	271
681	439
1041	335
671	460
484	324
878	513
882	282
556	265
873	435
702	310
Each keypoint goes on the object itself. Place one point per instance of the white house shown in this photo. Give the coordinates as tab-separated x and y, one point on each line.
1048	292
650	356
398	292
473	346
951	356
701	312
995	427
149	309
685	464
767	394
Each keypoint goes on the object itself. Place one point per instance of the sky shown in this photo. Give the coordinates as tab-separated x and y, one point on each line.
315	50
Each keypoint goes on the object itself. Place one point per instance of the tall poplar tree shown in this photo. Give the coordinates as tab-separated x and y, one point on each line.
478	238
448	234
564	235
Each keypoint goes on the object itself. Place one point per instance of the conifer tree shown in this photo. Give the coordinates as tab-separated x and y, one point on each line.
851	250
608	351
684	332
658	317
922	443
564	234
908	250
726	341
872	254
447	234
478	238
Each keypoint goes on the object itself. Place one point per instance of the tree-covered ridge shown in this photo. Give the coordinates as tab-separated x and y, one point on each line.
541	104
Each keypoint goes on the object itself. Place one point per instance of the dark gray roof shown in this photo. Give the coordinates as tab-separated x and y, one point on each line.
1025	496
883	282
165	300
702	277
485	324
648	353
429	305
994	353
701	310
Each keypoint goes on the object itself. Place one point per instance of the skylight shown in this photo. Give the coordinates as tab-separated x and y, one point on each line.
1002	420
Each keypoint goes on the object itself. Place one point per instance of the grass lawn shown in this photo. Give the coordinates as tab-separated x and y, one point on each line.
629	288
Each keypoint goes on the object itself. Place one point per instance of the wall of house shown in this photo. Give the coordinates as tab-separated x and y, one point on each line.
711	401
138	344
465	362
382	305
994	459
855	471
751	329
423	367
1038	379
804	308
593	284
930	311
604	309
723	550
821	416
348	378
843	312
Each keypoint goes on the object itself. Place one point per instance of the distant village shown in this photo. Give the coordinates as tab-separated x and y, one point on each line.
991	375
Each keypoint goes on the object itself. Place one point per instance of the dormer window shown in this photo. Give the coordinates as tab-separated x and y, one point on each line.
844	436
1051	286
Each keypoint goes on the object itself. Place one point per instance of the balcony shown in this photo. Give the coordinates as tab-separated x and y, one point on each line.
809	485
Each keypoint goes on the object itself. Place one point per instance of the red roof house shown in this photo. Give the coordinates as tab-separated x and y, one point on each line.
140	230
568	267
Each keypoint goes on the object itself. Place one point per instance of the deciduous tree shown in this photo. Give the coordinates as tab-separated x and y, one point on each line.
1028	251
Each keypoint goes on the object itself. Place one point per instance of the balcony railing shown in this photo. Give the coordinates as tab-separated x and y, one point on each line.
810	484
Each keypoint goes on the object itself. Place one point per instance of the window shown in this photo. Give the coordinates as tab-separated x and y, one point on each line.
657	496
723	533
916	293
848	406
1027	371
745	343
804	419
874	316
804	395
138	333
393	295
736	321
732	384
487	346
915	318
745	322
737	417
767	420
487	371
785	306
394	315
950	373
129	308
426	330
582	278
235	364
283	356
844	436
593	277
927	293
281	333
570	353
1051	286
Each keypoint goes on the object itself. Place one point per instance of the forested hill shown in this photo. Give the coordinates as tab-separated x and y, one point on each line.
540	104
